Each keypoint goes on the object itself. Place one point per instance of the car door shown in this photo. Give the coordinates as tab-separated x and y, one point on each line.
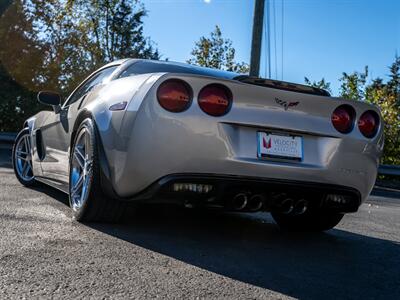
57	130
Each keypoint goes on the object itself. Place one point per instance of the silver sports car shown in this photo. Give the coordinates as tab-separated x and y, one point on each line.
152	131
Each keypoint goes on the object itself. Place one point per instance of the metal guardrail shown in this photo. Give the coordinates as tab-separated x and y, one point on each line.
389	170
9	137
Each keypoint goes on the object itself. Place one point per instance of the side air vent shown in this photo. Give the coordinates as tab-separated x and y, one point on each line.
39	145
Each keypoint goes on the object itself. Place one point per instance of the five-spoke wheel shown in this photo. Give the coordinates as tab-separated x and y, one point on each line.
81	169
86	196
22	158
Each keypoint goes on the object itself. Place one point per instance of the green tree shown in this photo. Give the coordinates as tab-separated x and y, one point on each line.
114	29
394	82
216	52
353	85
78	36
54	44
356	86
16	103
386	96
17	69
322	84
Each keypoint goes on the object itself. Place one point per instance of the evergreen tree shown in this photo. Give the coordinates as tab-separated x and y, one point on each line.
394	82
113	29
78	36
55	44
353	85
128	39
216	52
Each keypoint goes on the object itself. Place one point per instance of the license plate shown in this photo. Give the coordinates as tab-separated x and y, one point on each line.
279	146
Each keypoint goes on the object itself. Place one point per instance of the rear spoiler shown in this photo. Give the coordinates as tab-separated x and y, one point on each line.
283	85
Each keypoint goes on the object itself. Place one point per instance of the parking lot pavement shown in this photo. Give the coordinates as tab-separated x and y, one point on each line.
173	253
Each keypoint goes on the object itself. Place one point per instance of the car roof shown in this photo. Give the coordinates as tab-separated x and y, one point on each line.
115	63
188	68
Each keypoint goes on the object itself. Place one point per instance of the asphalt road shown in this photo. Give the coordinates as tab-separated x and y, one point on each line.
172	253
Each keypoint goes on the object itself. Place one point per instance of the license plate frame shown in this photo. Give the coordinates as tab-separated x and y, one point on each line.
280	146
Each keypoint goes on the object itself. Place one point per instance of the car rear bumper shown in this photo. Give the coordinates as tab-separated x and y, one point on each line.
231	151
224	188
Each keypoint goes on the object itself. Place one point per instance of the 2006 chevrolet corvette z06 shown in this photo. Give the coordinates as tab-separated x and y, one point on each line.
151	131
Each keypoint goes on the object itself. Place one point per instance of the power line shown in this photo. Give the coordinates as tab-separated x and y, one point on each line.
266	46
267	26
282	22
275	52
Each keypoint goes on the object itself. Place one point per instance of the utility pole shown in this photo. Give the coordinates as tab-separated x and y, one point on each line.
257	38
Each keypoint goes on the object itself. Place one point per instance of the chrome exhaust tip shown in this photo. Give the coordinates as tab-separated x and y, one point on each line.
300	207
255	202
239	202
287	206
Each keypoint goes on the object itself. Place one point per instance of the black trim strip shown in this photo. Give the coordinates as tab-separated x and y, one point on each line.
156	187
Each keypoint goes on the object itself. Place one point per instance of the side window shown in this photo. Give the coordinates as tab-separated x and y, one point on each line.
93	81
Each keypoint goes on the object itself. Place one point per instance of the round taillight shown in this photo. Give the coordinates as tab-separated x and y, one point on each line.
174	95
343	118
215	99
368	123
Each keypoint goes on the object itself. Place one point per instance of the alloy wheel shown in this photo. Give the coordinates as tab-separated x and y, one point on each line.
23	158
81	169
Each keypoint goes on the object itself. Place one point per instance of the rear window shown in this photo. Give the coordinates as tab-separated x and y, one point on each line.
143	67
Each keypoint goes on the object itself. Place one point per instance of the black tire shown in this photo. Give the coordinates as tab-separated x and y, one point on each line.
97	207
311	221
20	135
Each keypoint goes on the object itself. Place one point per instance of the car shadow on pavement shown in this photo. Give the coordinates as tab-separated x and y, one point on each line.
252	249
51	192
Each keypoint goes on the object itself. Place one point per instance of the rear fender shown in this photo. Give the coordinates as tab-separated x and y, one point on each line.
96	106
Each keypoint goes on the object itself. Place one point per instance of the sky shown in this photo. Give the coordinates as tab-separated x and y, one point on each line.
321	38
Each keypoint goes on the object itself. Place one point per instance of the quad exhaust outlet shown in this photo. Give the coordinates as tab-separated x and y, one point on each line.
293	207
244	201
239	202
287	206
300	207
255	202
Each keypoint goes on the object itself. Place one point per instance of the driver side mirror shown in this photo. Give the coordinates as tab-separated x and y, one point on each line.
50	98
